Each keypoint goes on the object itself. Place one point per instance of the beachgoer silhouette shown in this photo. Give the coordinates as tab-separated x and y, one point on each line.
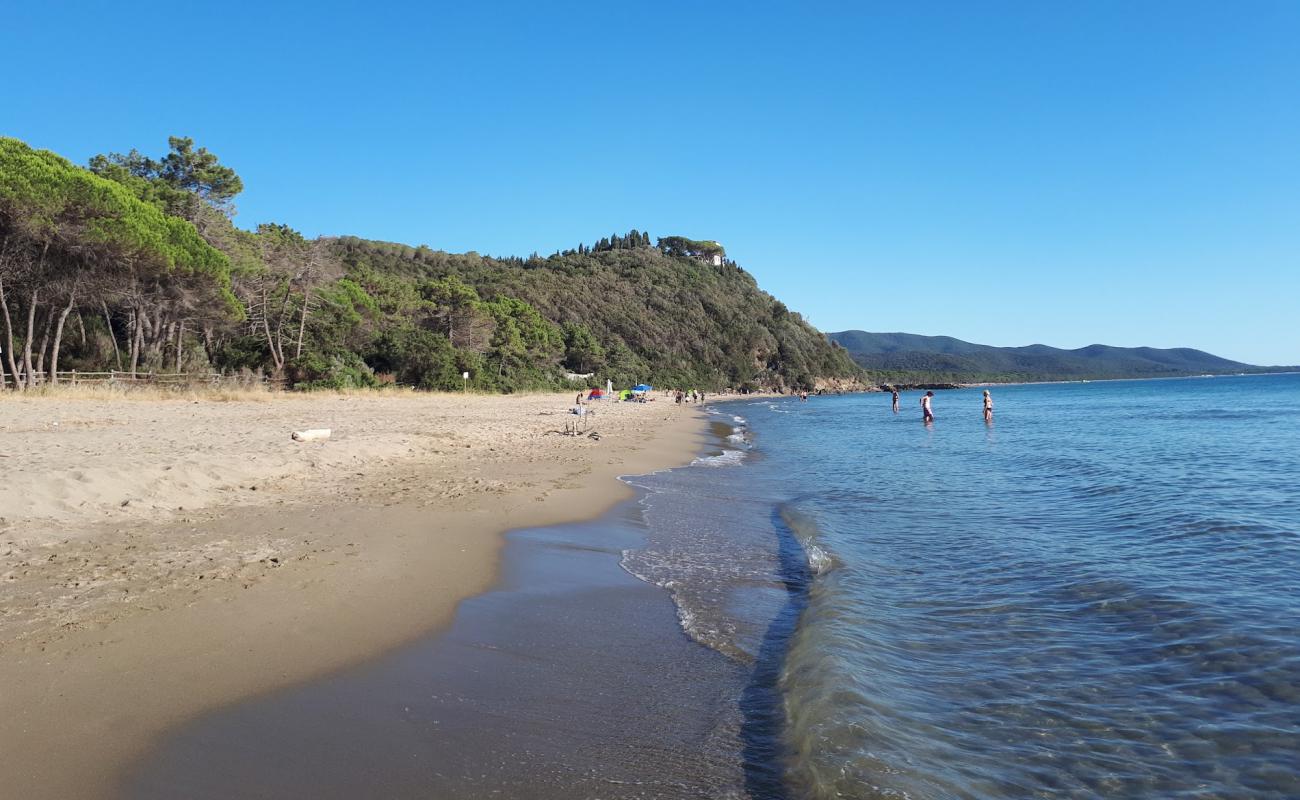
895	401
927	414
988	406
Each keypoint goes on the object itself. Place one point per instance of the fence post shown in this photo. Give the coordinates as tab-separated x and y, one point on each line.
74	377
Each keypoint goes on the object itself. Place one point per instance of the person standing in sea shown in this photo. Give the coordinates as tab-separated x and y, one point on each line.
895	391
927	414
988	406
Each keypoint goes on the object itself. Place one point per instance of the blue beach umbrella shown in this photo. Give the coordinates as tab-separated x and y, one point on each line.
641	387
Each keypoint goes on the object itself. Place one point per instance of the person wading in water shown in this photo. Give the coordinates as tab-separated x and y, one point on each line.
927	414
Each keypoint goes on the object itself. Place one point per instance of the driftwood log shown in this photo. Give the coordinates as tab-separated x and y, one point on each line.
311	434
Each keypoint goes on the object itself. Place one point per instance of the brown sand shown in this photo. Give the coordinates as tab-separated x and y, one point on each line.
160	558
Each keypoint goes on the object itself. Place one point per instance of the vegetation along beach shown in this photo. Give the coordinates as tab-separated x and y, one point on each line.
649	401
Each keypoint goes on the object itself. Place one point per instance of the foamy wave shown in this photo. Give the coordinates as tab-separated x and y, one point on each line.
727	458
641	569
804	529
656	570
739	431
687	620
819	561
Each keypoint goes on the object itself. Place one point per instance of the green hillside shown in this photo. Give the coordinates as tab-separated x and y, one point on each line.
134	264
906	357
629	311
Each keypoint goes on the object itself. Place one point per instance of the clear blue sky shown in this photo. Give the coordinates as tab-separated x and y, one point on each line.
1007	173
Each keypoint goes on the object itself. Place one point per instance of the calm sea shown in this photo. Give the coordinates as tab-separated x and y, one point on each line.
1096	595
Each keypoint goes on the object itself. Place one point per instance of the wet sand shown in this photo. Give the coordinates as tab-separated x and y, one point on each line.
117	630
570	678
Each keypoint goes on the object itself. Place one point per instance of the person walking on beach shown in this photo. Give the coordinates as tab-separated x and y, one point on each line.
927	414
895	391
988	406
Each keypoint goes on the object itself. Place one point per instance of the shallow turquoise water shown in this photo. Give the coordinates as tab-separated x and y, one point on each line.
1094	596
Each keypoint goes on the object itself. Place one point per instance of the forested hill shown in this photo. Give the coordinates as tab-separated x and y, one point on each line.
133	263
670	314
907	357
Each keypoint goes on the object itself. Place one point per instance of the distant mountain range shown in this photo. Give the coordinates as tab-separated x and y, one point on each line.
907	357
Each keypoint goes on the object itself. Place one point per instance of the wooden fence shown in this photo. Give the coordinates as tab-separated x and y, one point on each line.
116	378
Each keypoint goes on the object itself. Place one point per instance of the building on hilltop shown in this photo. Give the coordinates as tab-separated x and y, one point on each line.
708	251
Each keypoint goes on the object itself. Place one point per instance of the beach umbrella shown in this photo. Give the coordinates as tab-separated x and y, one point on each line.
641	387
595	394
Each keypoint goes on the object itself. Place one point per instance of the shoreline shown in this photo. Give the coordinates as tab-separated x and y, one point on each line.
569	677
372	568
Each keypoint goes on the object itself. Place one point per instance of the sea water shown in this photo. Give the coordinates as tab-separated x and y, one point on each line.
1095	595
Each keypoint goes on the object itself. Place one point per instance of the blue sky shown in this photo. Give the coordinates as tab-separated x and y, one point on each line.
1007	173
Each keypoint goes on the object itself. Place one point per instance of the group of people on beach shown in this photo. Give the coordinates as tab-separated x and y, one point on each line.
927	410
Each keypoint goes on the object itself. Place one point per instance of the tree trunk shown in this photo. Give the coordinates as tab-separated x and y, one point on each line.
279	323
58	335
150	333
266	328
112	337
137	339
158	332
45	341
27	343
207	343
166	338
302	322
180	339
9	337
31	321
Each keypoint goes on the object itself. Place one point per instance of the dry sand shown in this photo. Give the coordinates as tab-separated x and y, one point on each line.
160	558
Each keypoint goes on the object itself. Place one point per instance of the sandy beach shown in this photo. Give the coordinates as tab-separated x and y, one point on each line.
163	557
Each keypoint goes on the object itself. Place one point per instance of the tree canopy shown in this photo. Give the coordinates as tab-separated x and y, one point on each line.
680	246
141	256
66	234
